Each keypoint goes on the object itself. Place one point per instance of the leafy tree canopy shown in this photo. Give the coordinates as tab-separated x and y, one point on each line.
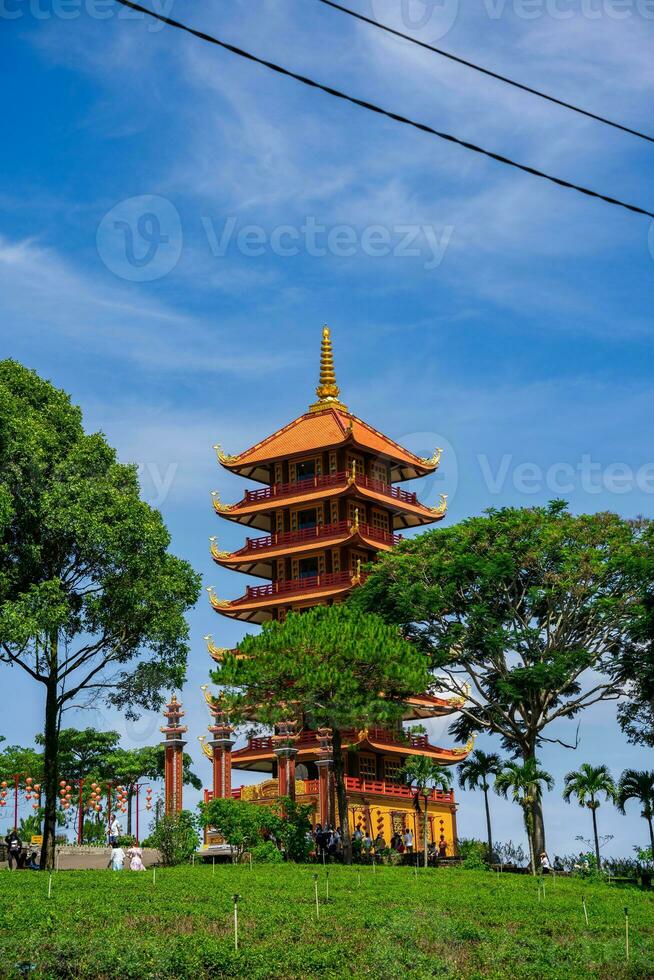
534	608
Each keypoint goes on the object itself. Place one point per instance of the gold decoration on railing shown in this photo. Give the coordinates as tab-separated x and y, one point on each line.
352	476
266	790
215	550
356	577
221	508
223	457
441	508
327	391
432	460
354	525
205	748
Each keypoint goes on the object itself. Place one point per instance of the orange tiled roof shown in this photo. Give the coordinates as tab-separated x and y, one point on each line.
321	430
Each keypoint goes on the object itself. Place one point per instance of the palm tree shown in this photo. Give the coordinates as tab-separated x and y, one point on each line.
474	774
420	771
635	785
586	783
524	781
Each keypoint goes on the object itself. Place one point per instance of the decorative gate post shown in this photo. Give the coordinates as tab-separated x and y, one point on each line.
221	743
286	751
174	756
325	780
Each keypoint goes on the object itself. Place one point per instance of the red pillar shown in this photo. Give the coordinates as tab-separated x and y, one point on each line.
222	764
324	791
174	756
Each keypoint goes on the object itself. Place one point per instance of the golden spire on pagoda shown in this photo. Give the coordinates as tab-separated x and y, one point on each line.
327	390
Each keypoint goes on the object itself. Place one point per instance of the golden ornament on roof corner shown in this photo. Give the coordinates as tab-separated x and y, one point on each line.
432	460
441	508
223	457
327	390
470	744
215	550
221	508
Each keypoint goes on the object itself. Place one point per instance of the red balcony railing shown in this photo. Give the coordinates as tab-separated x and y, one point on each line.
278	490
317	533
378	787
307	738
385	787
295	585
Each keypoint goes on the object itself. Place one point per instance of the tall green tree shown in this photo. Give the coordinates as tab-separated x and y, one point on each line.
524	783
533	608
638	785
587	783
92	603
476	773
425	775
330	667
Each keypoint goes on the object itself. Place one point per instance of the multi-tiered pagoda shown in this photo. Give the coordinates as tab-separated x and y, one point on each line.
329	505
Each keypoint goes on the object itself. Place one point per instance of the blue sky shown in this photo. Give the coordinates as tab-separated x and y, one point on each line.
176	225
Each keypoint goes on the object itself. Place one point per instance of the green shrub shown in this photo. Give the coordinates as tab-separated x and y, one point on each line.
266	853
175	836
473	853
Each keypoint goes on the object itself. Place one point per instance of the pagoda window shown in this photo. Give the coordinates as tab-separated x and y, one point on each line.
367	767
333	463
392	770
379	471
380	519
334	511
307	518
308	567
305	470
279	476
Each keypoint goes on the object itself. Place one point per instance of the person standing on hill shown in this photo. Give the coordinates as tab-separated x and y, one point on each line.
14	848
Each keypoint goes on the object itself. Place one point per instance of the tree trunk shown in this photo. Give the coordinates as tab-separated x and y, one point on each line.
651	834
529	825
488	824
596	837
50	772
538	823
341	794
424	833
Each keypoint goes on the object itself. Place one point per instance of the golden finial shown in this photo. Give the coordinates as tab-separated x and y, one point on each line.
205	748
355	523
327	391
441	508
432	460
353	473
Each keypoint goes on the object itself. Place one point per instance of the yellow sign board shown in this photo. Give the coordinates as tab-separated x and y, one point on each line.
37	838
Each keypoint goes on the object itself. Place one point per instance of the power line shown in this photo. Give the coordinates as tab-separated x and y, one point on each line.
485	71
423	127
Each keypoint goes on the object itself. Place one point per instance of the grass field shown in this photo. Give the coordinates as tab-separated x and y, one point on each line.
388	923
